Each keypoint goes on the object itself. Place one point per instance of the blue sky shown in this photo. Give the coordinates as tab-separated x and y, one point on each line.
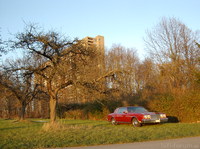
119	21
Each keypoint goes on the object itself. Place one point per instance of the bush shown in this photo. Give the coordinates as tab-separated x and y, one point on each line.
74	114
181	105
95	110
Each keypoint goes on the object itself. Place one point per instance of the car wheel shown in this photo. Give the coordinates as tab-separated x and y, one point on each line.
135	122
113	121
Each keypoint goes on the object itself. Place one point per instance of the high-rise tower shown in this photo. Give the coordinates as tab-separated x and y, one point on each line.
98	43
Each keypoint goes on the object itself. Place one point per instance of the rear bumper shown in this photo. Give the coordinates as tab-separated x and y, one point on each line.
148	121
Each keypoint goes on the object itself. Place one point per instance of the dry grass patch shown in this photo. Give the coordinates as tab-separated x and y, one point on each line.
56	126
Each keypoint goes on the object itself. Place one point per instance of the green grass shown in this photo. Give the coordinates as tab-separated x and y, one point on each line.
29	134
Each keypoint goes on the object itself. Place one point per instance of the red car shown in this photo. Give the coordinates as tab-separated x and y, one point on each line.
136	116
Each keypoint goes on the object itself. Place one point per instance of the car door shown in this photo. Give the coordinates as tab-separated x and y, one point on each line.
121	116
125	115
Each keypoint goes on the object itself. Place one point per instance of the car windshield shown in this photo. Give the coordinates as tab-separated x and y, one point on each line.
136	110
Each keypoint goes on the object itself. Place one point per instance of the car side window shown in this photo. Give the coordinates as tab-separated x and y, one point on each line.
131	109
116	111
121	110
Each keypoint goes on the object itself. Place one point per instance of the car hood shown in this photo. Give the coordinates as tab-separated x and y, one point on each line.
149	113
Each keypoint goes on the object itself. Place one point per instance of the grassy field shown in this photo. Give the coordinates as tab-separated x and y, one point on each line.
29	134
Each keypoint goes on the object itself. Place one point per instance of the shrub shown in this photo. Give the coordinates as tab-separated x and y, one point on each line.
181	105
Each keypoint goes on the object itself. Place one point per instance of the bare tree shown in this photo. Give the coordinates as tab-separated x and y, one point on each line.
172	44
59	63
19	83
51	48
126	60
146	77
2	50
198	70
8	103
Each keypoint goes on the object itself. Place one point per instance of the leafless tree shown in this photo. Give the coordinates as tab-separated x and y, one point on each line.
8	103
58	62
126	60
2	50
172	44
146	76
20	83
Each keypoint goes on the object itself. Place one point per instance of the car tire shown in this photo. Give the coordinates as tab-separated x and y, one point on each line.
113	121
135	122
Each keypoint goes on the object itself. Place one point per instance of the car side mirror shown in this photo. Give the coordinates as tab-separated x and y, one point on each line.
125	112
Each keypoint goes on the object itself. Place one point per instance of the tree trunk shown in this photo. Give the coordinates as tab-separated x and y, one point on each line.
9	109
22	112
53	103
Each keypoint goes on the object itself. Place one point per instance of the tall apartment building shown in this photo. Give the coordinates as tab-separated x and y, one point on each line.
97	42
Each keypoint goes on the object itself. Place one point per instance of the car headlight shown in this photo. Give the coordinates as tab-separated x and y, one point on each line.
147	116
162	115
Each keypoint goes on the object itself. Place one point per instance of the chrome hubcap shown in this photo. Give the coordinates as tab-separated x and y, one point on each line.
135	122
113	121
